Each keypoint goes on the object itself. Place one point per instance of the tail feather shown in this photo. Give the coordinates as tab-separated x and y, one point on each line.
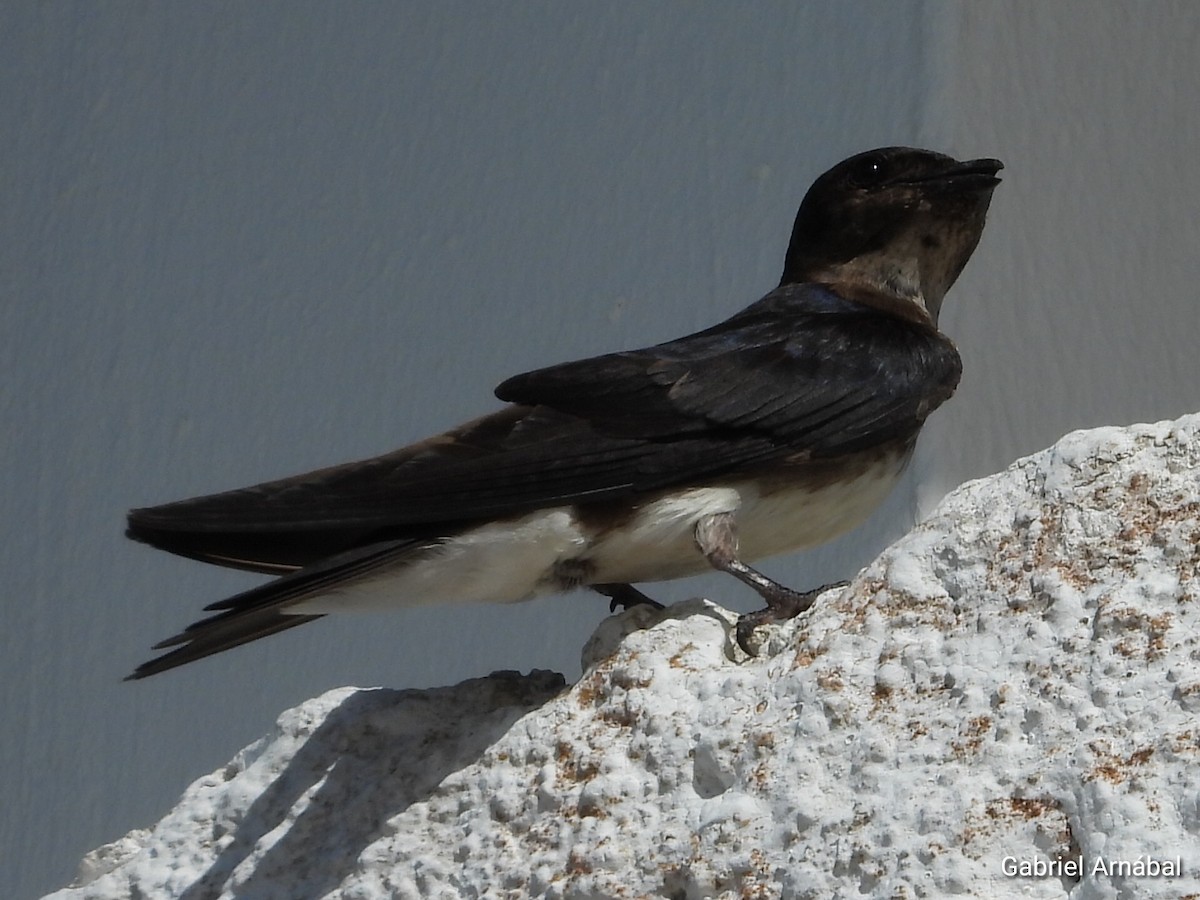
205	642
263	610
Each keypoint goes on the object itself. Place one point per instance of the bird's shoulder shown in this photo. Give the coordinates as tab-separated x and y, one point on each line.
802	356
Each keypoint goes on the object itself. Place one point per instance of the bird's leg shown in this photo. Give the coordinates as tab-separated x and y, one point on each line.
716	536
624	596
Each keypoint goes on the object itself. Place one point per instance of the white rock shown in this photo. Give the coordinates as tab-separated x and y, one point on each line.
1017	679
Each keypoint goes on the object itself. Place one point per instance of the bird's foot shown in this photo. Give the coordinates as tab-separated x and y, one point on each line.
624	596
783	603
716	536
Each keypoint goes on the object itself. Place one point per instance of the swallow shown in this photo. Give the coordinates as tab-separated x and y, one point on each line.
777	429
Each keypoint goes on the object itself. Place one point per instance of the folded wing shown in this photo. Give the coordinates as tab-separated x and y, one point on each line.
802	372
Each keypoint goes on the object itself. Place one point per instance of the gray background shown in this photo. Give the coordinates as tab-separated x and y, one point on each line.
245	240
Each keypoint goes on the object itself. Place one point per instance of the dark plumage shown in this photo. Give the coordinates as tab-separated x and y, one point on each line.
828	377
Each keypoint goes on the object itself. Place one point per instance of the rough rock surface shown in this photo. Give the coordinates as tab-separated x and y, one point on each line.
1015	683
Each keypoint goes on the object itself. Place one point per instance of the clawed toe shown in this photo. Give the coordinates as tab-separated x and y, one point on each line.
624	596
782	604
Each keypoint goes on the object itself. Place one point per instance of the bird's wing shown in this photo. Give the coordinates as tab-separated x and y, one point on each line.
800	373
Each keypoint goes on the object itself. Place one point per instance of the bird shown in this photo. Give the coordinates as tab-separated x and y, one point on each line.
777	429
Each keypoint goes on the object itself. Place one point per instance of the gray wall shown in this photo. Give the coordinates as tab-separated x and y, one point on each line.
241	241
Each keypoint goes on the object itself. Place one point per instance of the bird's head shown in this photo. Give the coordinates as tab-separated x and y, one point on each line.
897	220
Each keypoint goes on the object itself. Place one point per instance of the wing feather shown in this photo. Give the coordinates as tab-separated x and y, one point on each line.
801	372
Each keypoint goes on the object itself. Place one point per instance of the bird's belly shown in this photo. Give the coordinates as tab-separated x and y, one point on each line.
772	516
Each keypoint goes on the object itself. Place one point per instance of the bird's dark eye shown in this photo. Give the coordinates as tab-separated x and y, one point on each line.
869	172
